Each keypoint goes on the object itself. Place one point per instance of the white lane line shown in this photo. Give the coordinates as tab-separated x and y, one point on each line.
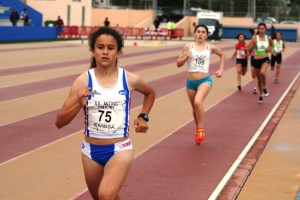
167	135
39	148
58	140
235	165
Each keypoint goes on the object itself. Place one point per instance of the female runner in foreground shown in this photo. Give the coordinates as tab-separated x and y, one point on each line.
104	93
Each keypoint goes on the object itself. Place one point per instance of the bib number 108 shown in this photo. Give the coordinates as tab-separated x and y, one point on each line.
200	61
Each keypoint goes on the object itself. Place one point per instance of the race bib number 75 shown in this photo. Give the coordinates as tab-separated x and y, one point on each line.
105	116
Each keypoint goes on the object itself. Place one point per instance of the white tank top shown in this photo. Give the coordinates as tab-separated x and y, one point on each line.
107	109
277	46
262	46
199	61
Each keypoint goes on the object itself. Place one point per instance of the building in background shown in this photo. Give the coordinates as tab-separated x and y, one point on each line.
74	12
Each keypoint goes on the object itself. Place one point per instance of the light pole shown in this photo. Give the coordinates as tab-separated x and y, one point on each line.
186	7
154	6
130	4
254	10
209	4
249	8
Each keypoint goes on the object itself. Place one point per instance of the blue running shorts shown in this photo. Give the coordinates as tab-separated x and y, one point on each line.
102	153
194	84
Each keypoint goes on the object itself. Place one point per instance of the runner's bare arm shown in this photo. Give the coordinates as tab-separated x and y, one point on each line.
234	54
137	84
185	54
216	50
74	102
251	44
269	49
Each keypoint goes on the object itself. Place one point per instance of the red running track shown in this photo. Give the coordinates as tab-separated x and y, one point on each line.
178	169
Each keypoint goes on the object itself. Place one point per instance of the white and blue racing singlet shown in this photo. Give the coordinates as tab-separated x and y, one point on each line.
107	109
199	61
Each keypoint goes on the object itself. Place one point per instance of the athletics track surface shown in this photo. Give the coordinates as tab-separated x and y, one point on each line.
40	162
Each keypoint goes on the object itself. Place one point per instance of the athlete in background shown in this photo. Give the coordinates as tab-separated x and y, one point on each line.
241	56
276	56
199	83
261	44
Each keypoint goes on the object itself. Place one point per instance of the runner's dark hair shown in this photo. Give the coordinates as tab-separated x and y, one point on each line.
262	24
238	35
201	25
108	31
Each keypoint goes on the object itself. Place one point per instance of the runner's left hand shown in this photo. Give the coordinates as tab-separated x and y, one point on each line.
140	125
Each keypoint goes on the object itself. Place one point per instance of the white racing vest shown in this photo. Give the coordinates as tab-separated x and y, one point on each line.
199	61
277	47
262	46
107	109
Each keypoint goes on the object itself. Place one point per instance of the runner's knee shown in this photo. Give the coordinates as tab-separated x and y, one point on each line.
198	104
107	195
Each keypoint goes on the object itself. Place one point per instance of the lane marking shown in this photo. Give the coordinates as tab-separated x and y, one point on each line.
50	91
240	158
39	148
58	140
166	136
139	154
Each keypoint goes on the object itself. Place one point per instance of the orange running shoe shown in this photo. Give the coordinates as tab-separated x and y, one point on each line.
200	135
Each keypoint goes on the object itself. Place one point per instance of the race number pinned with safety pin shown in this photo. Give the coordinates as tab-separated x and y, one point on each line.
262	47
105	116
278	49
240	54
200	62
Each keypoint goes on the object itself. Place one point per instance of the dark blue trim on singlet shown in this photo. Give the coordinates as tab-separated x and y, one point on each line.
90	85
125	87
